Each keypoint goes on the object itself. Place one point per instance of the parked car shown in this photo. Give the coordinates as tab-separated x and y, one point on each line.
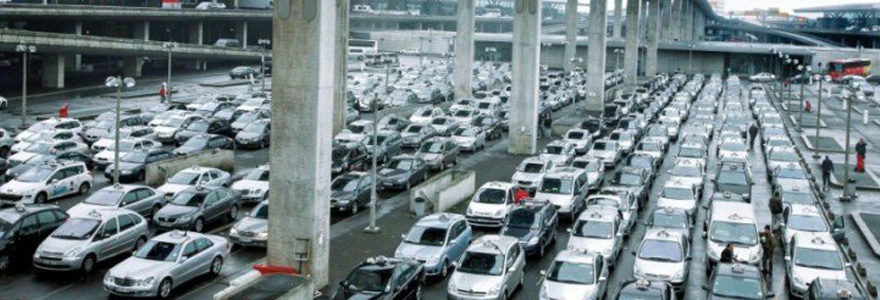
25	226
133	165
383	278
533	223
575	274
402	172
194	207
204	142
350	191
192	177
203	126
438	240
254	135
141	199
46	182
493	266
254	187
438	153
253	228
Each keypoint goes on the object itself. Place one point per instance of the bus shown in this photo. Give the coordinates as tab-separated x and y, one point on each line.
843	67
359	46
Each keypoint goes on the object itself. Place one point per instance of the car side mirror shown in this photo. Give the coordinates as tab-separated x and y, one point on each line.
402	236
52	180
787	258
619	234
454	265
568	230
184	259
543	272
511	269
603	278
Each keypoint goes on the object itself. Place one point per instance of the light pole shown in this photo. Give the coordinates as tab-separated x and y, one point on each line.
169	89
544	45
119	83
691	58
25	50
804	73
487	52
617	51
848	101
820	77
264	43
575	61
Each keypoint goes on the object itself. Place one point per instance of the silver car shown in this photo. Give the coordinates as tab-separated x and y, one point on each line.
84	240
575	275
165	262
253	229
598	230
663	256
138	198
491	268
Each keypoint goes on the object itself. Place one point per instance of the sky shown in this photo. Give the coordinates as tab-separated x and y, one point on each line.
785	5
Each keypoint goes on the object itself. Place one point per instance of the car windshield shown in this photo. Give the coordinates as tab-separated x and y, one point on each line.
466	132
797	197
523	218
490	196
690	152
424	235
737	287
733	146
629	179
575	135
733	232
414	129
134	157
650	146
41	148
569	272
76	229
463	113
6	223
593	229
105	197
642	162
807	223
600	146
661	250
258	175
37	174
250	117
188	199
818	258
260	212
784	156
368	279
557	186
732	178
678	193
686	171
481	263
553	150
159	251
791	173
439	121
199	126
663	220
187	178
124	146
254	128
401	164
432	147
198	142
345	184
531	168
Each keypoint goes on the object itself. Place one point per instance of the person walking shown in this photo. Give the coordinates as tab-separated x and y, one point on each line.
768	243
726	255
753	132
775	205
548	124
163	92
827	168
520	195
861	150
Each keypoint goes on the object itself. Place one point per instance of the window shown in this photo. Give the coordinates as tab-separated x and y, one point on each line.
58	175
202	244
135	218
71	171
29	224
110	228
190	250
406	272
125	222
144	194
47	220
511	256
221	194
59	215
211	198
129	198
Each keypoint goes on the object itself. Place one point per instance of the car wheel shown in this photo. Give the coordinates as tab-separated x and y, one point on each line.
354	208
216	266
4	152
164	289
199	225
444	269
142	176
140	243
233	213
88	264
84	188
41	197
4	262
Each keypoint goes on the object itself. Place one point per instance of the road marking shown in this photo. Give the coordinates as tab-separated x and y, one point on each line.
61	289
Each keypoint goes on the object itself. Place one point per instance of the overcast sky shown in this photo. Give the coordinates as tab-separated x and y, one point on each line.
785	5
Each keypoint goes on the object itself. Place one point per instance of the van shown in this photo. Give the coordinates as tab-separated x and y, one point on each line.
731	222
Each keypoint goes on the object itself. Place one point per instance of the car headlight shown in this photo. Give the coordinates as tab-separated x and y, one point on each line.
450	286
146	282
233	231
263	235
533	240
72	252
495	290
637	271
678	275
107	277
185	218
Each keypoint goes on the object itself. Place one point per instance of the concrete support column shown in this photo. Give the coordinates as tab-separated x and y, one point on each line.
77	59
699	25
571	20
596	58
653	20
142	31
688	20
677	14
339	66
525	63
643	14
241	33
631	50
197	36
464	50
53	71
618	23
665	19
303	54
134	66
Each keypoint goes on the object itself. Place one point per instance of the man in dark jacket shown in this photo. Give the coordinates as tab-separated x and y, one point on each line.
775	205
827	168
861	150
726	255
753	132
768	243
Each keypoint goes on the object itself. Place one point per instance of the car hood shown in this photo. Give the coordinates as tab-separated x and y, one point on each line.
428	156
484	209
658	270
522	234
417	252
474	282
17	170
20	188
556	158
22	156
555	199
56	245
809	274
464	139
603	246
392	172
251	224
341	195
173	210
107	155
96	132
164	129
568	291
247	135
172	188
406	135
24	134
247	184
186	134
138	268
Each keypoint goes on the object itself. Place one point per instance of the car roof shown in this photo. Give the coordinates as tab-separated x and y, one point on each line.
439	220
804	210
125	188
485	244
497	185
178	236
25	209
815	240
198	169
104	214
580	256
593	213
644	287
564	172
663	234
738	270
676	183
733	211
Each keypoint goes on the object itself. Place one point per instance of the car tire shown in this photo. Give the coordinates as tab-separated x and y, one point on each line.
142	175
164	291
40	198
233	213
4	152
444	269
88	264
84	188
155	210
354	208
199	225
216	266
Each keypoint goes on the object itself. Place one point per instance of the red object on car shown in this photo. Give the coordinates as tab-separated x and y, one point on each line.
266	269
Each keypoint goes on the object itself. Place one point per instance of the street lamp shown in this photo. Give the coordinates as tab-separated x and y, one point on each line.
804	75
617	51
264	44
25	50
690	58
575	61
119	83
819	77
848	95
169	46
486	53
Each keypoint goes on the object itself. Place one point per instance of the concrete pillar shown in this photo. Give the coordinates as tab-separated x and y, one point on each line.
596	58
243	34
303	56
134	66
665	19
339	63
618	23
643	13
142	31
464	49
571	20
688	20
677	14
77	59
631	50
699	25
53	71
197	36
653	25
525	63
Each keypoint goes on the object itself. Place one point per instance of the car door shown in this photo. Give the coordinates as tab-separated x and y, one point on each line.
128	234
27	237
550	222
57	185
106	239
461	241
187	263
212	208
205	256
146	199
47	222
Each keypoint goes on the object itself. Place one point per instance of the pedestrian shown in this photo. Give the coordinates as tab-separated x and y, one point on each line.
64	111
548	124
827	168
163	92
861	150
775	208
753	132
768	243
726	255
520	195
808	107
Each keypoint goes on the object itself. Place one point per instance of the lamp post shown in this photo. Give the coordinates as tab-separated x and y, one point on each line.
848	94
804	74
773	61
575	61
169	46
617	51
820	78
119	83
691	58
486	53
264	43
25	50
544	45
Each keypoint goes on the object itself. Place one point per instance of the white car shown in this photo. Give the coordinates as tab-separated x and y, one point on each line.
254	187
762	77
53	136
559	151
678	194
688	172
582	139
663	256
45	182
781	156
166	132
194	176
575	275
210	5
106	156
565	188
594	168
137	132
253	104
469	138
462	104
732	146
465	115
597	230
813	255
530	172
425	114
50	124
606	150
624	138
48	148
490	204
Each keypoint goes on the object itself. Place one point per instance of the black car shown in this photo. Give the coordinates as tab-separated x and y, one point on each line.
636	180
594	126
4	165
254	135
823	289
133	165
74	156
23	228
204	142
244	73
491	125
211	126
611	114
644	289
383	278
350	191
347	158
402	172
738	281
533	224
733	177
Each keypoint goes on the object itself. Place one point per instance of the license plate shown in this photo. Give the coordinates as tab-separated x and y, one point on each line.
51	262
121	290
164	224
245	240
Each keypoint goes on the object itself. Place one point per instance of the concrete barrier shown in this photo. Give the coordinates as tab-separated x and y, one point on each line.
158	172
442	192
253	285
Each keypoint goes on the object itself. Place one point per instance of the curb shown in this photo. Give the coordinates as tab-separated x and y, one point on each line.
863	227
